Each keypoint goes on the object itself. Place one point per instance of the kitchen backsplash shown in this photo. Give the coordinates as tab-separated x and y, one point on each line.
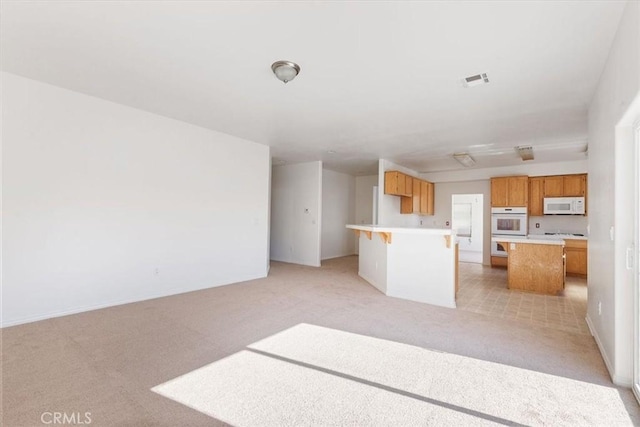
559	223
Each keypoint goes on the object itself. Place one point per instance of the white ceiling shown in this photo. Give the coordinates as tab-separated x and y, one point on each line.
378	79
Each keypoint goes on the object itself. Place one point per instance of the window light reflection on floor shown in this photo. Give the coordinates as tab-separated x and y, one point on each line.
319	376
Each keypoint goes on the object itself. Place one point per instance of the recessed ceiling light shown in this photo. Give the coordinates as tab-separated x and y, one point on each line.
475	80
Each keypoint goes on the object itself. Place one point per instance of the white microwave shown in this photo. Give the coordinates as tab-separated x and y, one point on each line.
564	206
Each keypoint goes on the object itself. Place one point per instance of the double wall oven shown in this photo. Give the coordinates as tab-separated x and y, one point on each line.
507	222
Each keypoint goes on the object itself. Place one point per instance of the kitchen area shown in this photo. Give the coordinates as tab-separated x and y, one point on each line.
539	244
536	235
519	206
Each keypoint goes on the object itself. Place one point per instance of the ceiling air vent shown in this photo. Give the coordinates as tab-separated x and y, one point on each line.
525	152
478	79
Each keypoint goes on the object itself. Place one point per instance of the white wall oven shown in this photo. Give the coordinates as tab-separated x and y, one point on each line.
507	222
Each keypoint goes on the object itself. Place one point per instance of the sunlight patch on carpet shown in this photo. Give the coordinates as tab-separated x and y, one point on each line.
314	375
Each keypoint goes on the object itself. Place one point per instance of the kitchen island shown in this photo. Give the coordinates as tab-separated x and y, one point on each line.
534	264
418	264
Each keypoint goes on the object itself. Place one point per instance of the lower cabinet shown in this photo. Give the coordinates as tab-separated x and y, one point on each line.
576	251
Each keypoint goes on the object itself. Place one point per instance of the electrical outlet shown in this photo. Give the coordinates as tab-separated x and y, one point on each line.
537	225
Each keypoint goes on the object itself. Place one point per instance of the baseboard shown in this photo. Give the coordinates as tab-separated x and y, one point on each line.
616	379
636	391
338	256
603	353
76	310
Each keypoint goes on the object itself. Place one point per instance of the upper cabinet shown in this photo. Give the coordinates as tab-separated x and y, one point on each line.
554	186
565	185
416	194
426	198
510	191
536	196
575	185
398	184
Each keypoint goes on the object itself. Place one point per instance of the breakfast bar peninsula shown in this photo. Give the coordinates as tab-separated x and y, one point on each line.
418	264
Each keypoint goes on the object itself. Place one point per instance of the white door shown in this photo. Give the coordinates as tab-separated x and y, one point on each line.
467	222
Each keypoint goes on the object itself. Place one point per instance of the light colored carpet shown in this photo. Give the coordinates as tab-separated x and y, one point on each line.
319	376
304	346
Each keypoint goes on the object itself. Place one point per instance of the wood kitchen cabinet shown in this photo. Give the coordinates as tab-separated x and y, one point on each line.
421	201
536	196
426	198
534	267
554	186
411	204
575	185
398	184
565	186
510	191
576	257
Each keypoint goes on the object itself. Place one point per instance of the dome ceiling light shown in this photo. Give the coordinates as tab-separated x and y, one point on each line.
285	71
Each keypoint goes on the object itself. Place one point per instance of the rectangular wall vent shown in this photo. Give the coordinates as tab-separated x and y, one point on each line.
478	79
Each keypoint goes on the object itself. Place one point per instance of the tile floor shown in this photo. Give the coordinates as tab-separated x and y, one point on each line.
484	290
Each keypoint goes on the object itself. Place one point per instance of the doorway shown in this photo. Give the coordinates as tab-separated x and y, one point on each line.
467	221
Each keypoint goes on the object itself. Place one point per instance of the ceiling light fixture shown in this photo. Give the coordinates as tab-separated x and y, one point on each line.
525	152
285	70
465	159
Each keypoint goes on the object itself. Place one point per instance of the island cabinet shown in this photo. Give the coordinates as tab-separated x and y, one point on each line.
576	257
510	191
534	266
398	184
418	264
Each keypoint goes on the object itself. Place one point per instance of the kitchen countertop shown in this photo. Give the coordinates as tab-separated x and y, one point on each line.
527	239
558	235
396	229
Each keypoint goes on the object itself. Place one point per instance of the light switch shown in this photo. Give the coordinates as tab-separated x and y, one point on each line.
512	246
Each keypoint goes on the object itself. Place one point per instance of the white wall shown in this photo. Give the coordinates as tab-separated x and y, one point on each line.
338	210
296	213
364	198
611	200
559	223
389	206
364	201
105	204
